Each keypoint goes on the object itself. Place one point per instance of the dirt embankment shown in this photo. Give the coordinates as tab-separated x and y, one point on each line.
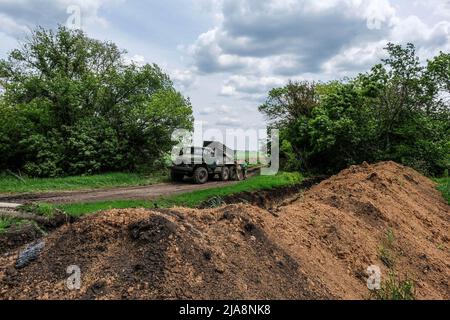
316	246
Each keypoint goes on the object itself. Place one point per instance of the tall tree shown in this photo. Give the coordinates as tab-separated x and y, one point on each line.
65	85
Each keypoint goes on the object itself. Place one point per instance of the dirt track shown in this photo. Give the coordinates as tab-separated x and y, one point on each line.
126	193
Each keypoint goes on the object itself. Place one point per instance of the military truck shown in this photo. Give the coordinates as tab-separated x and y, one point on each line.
204	163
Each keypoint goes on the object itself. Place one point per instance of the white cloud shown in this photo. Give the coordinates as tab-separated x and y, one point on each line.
250	87
287	37
136	59
183	79
229	122
291	38
26	14
218	110
10	27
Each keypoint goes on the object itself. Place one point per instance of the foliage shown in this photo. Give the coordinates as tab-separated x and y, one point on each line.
444	187
71	105
387	251
6	223
10	184
397	111
395	289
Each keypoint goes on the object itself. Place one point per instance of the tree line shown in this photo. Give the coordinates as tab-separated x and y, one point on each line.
399	110
73	105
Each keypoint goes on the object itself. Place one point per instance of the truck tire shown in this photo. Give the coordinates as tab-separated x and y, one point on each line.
176	176
236	174
201	175
225	175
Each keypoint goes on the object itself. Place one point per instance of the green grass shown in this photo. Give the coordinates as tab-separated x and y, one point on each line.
10	184
40	209
191	199
387	251
6	223
444	187
395	289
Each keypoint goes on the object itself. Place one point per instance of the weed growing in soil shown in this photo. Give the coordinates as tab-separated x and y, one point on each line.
214	202
6	223
386	253
444	187
395	289
40	209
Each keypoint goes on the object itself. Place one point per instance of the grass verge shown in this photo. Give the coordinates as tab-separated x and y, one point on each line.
12	184
191	199
6	223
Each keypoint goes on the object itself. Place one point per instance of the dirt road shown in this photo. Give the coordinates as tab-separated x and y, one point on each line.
126	193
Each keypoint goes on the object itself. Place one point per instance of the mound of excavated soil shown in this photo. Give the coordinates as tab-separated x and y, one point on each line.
180	254
317	246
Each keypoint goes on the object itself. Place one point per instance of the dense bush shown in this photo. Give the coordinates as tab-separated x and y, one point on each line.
71	105
398	111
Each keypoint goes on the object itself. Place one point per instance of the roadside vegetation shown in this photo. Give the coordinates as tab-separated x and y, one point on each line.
444	187
191	199
6	223
72	105
393	287
12	184
399	110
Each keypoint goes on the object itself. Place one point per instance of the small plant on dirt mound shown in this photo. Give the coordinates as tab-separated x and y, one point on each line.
214	202
444	187
6	223
386	253
395	289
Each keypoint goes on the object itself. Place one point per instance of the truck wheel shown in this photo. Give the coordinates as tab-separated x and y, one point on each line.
232	173
225	175
176	177
201	175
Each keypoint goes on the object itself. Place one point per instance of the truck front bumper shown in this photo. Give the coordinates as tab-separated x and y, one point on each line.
183	169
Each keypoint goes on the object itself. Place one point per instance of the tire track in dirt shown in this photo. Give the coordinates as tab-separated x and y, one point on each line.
125	193
128	193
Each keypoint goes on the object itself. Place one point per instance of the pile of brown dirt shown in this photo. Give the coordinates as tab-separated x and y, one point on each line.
316	247
357	218
181	254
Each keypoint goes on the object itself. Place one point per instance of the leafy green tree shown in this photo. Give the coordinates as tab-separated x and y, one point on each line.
396	111
78	108
288	109
439	70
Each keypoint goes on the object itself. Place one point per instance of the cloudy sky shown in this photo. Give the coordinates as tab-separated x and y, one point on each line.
226	54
